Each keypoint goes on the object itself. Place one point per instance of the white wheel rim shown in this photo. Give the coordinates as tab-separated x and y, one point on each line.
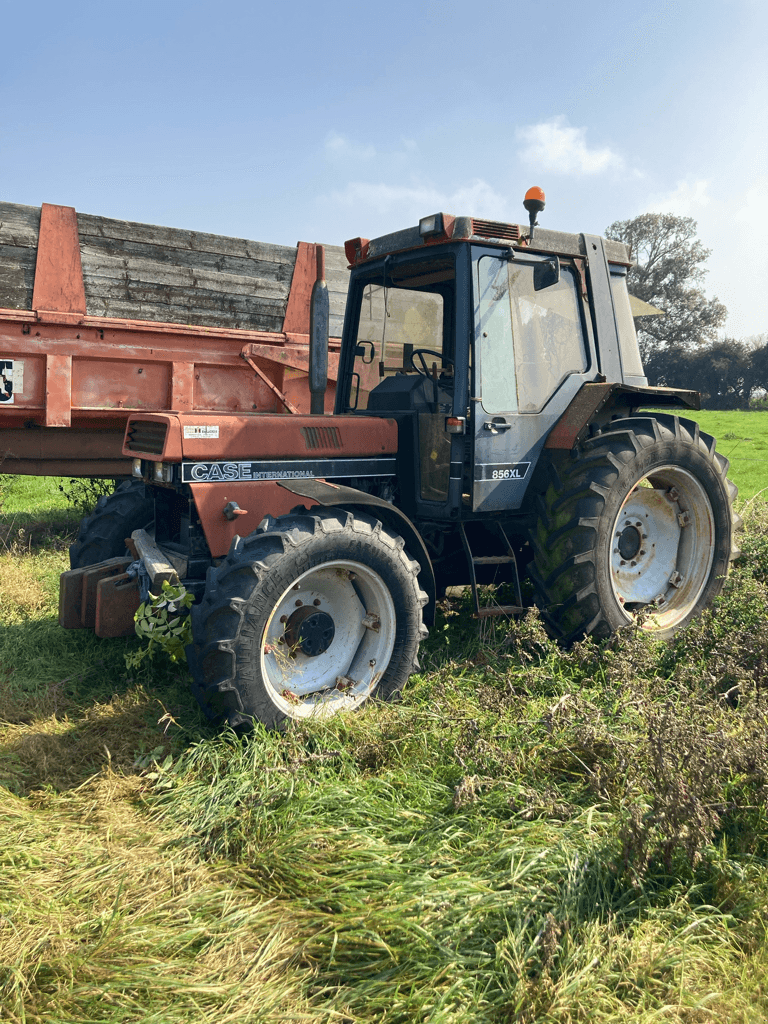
342	676
663	547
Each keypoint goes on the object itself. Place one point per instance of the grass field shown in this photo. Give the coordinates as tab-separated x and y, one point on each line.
743	438
530	835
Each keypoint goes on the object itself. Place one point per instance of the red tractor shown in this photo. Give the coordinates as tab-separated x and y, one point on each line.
488	424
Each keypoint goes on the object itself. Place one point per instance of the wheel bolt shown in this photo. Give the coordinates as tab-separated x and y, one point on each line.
299	604
372	662
316	602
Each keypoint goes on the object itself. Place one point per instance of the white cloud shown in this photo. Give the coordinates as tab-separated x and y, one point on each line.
687	199
556	146
407	202
340	148
754	213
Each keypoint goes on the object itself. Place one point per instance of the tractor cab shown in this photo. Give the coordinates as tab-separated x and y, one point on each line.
476	336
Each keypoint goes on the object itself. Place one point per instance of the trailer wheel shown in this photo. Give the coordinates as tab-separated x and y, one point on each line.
312	614
102	534
638	519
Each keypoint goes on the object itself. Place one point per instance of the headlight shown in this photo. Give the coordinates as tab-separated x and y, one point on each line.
163	473
431	226
136	470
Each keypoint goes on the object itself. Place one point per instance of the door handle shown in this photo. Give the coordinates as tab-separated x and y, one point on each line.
496	425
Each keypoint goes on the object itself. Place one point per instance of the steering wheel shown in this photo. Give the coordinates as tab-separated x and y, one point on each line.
420	354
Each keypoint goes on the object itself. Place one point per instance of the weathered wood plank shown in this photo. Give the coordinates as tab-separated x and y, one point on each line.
178	238
159	267
19	225
277	259
337	278
202	311
17	276
168	278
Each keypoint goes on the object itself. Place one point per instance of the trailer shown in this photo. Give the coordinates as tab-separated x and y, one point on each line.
102	318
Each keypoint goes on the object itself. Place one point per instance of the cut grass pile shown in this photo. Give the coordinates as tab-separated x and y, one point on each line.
530	835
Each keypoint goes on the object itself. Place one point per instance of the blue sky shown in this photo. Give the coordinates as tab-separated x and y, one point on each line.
295	121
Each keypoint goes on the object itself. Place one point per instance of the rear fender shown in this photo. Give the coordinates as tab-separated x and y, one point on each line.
602	401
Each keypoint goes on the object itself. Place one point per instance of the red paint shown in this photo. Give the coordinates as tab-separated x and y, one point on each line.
265	436
256	499
304	272
117	601
294	356
356	250
58	273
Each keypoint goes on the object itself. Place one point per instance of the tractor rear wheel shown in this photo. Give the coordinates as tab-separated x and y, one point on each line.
102	534
311	614
638	519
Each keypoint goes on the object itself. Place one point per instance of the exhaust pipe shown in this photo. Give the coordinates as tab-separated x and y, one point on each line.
318	337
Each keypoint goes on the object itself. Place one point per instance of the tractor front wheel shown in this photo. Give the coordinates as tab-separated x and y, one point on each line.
639	519
312	614
102	534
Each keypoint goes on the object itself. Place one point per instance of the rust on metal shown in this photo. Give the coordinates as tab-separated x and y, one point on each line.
566	431
304	273
294	356
273	387
77	592
58	390
258	498
170	436
570	428
58	273
92	576
117	601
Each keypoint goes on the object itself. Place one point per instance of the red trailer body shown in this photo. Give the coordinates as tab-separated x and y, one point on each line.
218	325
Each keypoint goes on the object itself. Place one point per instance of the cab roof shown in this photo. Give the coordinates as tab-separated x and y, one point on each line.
447	228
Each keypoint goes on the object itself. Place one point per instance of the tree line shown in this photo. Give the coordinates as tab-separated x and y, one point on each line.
680	346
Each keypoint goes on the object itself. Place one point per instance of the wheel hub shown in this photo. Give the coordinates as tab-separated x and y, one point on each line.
310	630
629	542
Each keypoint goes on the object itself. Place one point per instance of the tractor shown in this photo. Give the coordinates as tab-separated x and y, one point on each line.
489	426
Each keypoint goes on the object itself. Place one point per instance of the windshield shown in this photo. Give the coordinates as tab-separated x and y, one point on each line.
403	326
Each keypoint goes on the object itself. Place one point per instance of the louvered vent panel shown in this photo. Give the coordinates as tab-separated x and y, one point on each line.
321	437
147	437
495	229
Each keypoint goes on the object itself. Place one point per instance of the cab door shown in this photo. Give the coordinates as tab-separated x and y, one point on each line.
533	352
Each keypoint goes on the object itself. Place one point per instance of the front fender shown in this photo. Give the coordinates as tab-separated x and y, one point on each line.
324	493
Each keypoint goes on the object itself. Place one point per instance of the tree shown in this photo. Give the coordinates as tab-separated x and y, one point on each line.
669	269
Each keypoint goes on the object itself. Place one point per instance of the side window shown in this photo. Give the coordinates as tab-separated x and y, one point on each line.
548	335
535	339
494	323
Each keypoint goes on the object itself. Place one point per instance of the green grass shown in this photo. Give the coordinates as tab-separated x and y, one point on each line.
742	436
530	835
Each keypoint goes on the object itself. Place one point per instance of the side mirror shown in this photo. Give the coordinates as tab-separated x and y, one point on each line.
546	274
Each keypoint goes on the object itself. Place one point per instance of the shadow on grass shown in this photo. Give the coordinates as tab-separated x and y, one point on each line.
69	707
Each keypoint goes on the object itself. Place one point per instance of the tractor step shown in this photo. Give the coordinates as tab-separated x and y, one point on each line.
489	611
506	559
